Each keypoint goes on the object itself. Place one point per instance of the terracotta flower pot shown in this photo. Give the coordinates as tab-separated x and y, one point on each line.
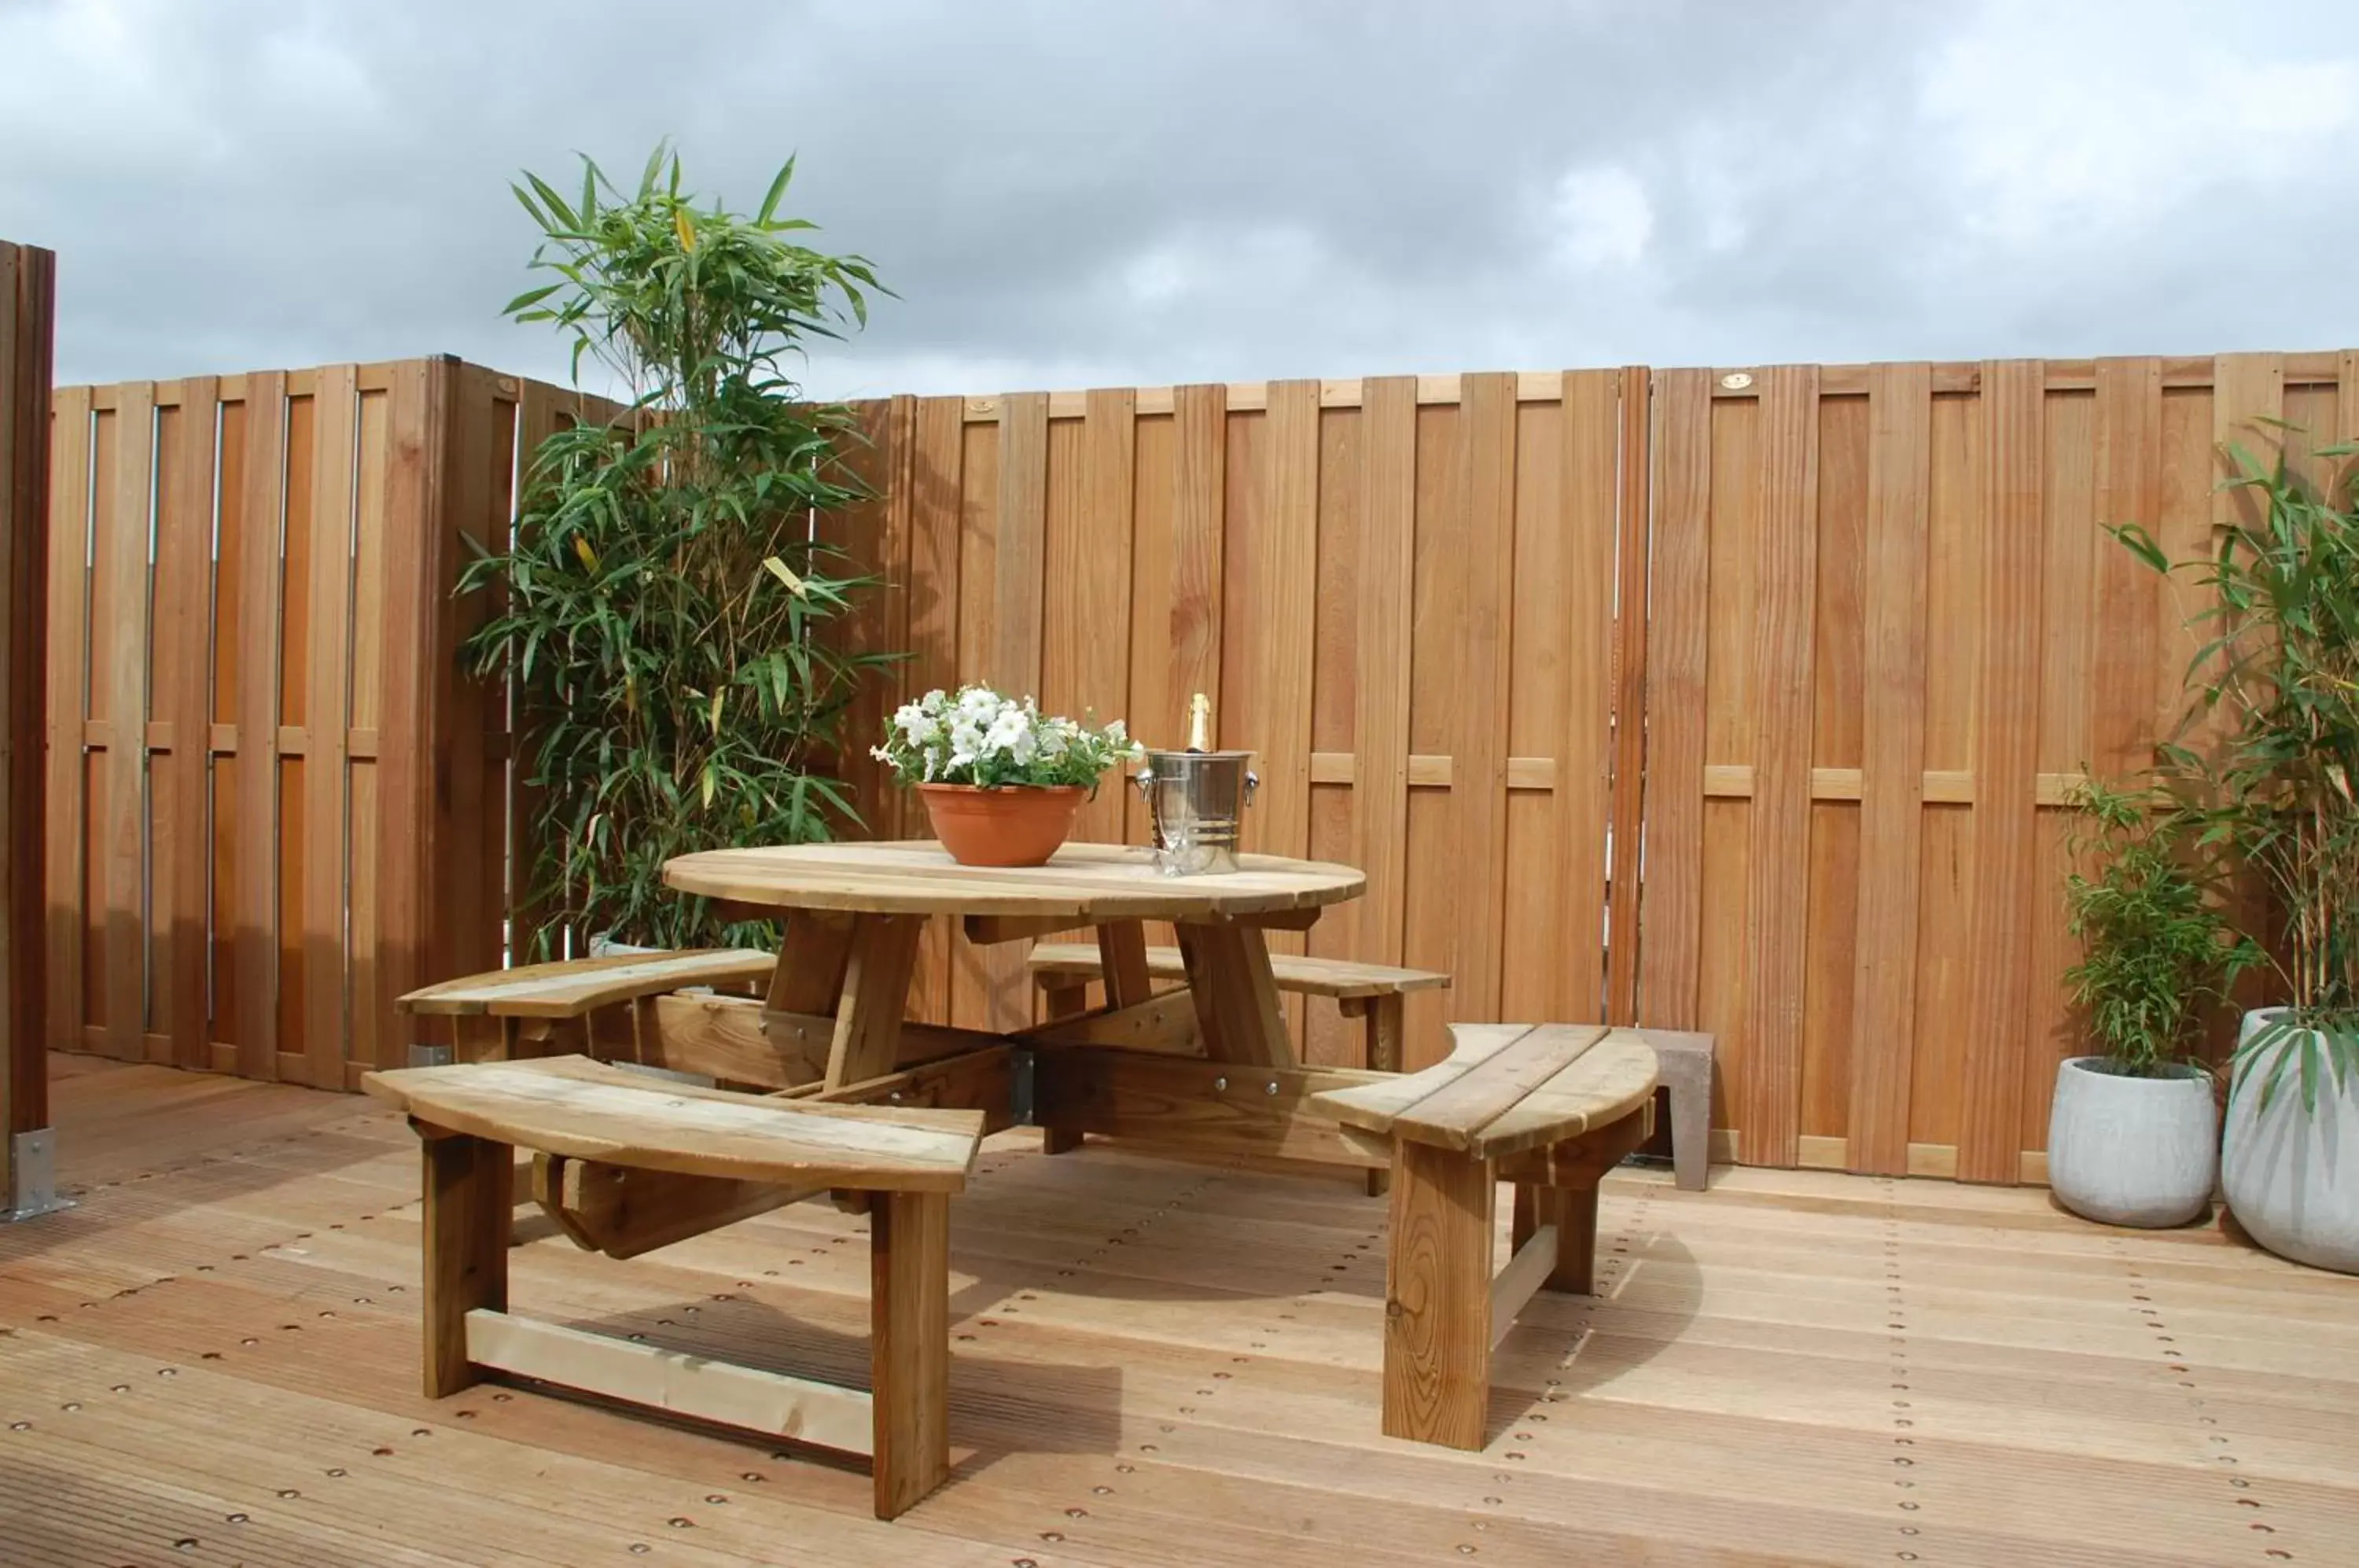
1020	825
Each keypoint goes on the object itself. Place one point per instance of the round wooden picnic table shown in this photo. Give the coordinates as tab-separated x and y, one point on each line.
1088	882
855	913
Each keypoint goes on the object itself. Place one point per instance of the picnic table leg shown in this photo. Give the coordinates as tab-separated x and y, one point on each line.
469	1191
1122	960
1235	995
811	962
910	1307
874	997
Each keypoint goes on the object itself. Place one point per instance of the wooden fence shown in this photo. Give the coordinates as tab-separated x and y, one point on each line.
1883	633
1829	642
275	802
28	296
1399	593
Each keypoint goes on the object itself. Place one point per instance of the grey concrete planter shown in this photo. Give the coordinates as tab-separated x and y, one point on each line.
2132	1151
2292	1175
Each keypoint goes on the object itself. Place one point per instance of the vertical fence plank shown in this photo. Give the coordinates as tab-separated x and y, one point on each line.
1678	638
874	537
1892	763
466	469
1199	481
541	412
414	552
1601	593
1327	1038
365	935
122	561
2065	737
1020	553
327	674
1088	636
936	480
1011	657
2128	479
1279	618
27	299
1433	890
1380	746
1633	562
1551	631
259	586
974	1002
66	833
1830	936
1766	1100
183	608
2007	718
1479	715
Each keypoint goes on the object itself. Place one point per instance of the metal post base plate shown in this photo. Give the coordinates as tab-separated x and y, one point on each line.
33	1173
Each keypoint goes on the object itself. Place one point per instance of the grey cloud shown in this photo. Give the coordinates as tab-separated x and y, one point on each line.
1064	193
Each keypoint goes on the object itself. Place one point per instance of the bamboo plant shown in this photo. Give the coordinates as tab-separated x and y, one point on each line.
2157	953
2270	745
663	613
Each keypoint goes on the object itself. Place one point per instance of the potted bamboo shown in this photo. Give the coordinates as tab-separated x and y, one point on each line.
2133	1137
2272	748
1001	784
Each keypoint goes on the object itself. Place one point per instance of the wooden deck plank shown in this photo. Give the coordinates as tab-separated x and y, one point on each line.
1155	1364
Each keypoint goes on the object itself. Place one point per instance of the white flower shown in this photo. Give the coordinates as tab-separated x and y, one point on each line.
966	744
1011	733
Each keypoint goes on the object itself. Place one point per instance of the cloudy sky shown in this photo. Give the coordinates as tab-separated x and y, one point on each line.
1090	192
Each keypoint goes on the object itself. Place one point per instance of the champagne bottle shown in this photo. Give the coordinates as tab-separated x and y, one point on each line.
1200	722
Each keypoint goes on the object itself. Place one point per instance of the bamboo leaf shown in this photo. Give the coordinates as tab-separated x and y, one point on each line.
785	573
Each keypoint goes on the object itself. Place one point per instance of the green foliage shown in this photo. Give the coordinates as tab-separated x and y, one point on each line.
2156	950
981	738
663	613
2270	743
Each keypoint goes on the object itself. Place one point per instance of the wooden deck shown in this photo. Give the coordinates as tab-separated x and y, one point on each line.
214	1360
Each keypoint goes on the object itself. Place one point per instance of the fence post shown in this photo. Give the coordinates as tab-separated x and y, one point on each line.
28	296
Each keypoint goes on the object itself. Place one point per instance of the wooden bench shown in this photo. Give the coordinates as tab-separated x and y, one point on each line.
538	1009
1550	1108
1371	992
471	1117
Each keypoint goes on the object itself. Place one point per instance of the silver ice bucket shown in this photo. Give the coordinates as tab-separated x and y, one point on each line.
1197	802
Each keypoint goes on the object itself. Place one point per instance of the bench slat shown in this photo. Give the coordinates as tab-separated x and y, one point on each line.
1336	977
575	987
1614	1078
588	1110
1456	1112
1506	1088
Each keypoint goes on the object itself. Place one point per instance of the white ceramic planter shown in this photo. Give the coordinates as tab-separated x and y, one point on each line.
2292	1175
2132	1151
